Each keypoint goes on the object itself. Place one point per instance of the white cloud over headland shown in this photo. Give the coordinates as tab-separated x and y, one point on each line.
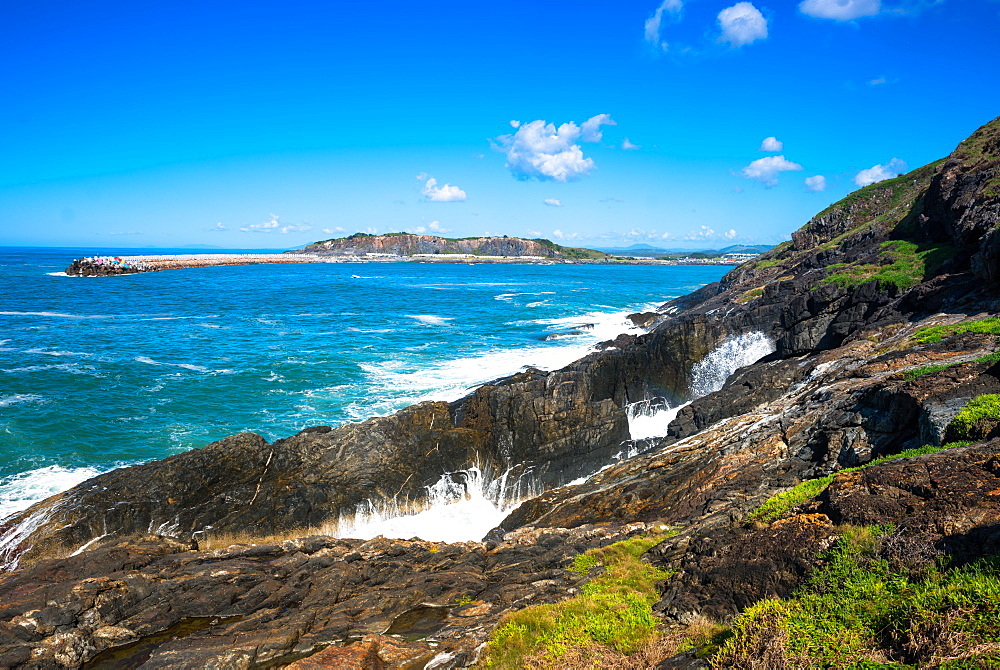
816	184
840	10
435	193
742	24
766	170
436	227
771	144
877	173
553	202
654	22
540	150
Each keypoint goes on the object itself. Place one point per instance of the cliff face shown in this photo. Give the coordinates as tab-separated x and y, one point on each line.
405	244
844	305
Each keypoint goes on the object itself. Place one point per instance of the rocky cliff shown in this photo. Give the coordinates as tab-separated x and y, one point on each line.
879	316
406	244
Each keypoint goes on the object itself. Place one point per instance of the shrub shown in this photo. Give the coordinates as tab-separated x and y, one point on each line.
977	419
858	610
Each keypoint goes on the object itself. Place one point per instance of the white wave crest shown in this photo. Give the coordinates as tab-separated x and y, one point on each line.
431	319
648	418
21	491
19	399
709	374
461	506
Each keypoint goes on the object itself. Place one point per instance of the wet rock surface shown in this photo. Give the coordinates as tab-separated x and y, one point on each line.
314	602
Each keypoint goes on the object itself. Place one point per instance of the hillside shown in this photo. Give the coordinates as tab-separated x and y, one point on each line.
406	244
825	491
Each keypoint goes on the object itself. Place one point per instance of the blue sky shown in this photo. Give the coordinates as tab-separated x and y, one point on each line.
679	123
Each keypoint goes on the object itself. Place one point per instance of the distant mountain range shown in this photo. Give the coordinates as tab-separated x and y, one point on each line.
648	250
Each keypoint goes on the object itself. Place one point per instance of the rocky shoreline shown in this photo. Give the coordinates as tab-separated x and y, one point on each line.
882	313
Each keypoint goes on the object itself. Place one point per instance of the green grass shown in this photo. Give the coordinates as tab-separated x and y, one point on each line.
780	504
766	264
613	610
980	416
857	609
752	294
903	264
928	369
932	334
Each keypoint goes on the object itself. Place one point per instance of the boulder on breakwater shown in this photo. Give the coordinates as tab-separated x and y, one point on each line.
104	266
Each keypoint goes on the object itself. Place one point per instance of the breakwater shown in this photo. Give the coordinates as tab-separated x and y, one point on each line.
101	266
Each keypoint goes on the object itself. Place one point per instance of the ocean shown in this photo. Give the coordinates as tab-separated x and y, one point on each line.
97	373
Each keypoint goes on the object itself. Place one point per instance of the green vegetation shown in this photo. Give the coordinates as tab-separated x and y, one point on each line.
752	294
613	610
932	334
928	369
978	418
575	253
861	609
903	264
766	264
780	504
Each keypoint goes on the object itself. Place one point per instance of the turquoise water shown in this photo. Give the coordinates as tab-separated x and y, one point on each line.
101	372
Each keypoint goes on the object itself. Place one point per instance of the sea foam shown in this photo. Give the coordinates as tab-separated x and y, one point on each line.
21	491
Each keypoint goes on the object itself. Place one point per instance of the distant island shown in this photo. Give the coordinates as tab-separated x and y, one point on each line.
364	245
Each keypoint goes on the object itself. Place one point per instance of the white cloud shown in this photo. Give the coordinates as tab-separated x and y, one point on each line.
218	227
436	227
539	150
419	230
878	173
816	184
840	10
730	235
553	202
560	235
591	128
771	144
265	227
515	124
653	23
877	82
766	170
742	24
435	193
703	234
534	233
274	226
628	146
